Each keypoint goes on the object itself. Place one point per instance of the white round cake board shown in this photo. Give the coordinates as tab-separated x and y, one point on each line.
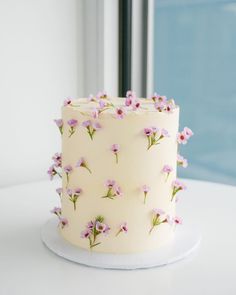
187	238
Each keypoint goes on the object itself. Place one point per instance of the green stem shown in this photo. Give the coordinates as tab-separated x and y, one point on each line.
86	167
116	154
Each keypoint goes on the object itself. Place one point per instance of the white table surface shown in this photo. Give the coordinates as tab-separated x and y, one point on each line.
28	267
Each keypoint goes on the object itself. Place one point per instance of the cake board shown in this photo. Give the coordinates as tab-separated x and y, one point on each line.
187	239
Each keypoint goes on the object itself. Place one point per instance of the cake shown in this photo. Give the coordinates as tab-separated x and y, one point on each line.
118	168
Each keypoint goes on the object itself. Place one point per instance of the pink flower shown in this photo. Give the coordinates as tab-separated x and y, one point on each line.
159	106
177	186
120	113
131	94
59	123
67	102
94	229
169	107
87	123
56	211
128	101
96	126
82	163
74	195
123	228
157	220
90	224
164	133
154	135
91	98
91	127
115	149
59	190
148	131
181	138
86	234
63	222
158	98
110	183
72	122
188	132
145	190
136	105
95	113
52	172
158	211
168	220
181	161
177	220
100	227
101	95
114	190
118	192
68	169
167	169
57	159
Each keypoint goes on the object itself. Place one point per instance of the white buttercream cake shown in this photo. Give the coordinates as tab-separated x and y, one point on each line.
118	168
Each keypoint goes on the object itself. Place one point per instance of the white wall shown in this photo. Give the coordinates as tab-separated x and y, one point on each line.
39	66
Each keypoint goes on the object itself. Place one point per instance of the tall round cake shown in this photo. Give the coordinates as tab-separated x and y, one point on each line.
118	168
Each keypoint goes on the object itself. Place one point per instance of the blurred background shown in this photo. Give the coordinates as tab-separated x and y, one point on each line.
52	49
195	61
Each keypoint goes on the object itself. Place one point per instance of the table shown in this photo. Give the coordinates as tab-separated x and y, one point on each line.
28	267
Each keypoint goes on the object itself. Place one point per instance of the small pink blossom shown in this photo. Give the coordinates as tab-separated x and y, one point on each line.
118	192
157	219
96	126
87	123
177	220
102	95
154	135
68	170
148	131
114	190
181	161
56	211
59	123
52	171
169	107
57	159
63	222
100	227
91	98
95	113
93	230
145	190
74	195
122	228
92	127
59	190
167	169
90	224
83	163
188	132
67	101
159	106
86	234
120	113
168	220
110	183
158	211
136	105
181	138
177	186
159	98
72	122
115	148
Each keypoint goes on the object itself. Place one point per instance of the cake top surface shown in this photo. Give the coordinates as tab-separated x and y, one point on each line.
121	105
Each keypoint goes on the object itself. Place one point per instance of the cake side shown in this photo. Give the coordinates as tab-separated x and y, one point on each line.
119	174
